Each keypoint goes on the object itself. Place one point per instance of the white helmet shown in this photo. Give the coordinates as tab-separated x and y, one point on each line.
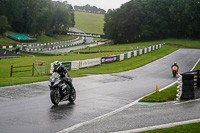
56	65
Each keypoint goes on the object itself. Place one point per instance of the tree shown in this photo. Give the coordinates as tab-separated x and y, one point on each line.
110	26
157	19
4	26
185	16
37	16
123	25
61	17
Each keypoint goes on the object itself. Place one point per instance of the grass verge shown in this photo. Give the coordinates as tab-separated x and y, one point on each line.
189	128
103	69
89	22
168	94
128	64
41	39
171	45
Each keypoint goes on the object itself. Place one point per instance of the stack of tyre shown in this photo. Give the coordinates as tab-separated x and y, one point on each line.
190	85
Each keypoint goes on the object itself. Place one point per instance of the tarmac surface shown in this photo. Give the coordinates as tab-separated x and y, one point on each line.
141	116
7	54
105	103
65	50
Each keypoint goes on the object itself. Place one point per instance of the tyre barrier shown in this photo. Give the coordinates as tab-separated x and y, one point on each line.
189	85
76	65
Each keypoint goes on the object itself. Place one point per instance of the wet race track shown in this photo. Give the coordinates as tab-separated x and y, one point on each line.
28	108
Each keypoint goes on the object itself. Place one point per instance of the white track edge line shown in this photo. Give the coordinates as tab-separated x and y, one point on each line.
169	125
67	130
195	65
98	118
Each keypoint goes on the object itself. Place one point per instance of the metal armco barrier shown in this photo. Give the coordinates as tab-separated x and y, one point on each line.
190	85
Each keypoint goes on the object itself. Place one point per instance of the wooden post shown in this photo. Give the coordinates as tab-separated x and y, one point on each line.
11	71
33	70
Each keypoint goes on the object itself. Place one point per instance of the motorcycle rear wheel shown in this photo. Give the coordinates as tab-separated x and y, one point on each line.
72	97
55	99
174	73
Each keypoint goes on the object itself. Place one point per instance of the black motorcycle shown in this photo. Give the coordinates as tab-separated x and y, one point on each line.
60	90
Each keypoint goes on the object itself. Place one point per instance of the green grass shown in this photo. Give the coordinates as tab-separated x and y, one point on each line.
183	43
128	65
57	38
103	69
180	43
4	41
89	22
197	67
168	94
189	128
41	39
116	48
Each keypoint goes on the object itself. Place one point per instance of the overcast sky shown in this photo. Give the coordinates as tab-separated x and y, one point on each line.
104	4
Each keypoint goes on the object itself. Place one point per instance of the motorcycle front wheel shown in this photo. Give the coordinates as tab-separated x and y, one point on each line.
72	97
55	99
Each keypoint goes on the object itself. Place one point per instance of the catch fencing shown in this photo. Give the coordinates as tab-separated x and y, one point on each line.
76	65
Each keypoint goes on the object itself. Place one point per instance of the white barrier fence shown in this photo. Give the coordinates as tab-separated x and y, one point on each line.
50	46
76	65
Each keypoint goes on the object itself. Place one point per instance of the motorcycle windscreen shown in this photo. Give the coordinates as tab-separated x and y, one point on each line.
55	75
174	68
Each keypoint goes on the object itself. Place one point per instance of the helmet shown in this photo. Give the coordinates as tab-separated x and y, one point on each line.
175	63
56	65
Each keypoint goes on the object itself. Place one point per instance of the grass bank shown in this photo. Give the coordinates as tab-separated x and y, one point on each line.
89	22
22	78
19	78
41	39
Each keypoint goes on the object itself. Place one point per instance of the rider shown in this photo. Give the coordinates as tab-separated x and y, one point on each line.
175	64
59	68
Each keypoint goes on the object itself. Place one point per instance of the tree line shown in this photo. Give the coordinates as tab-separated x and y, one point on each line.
140	20
35	16
90	9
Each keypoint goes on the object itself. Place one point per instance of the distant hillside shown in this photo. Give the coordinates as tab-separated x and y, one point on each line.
89	22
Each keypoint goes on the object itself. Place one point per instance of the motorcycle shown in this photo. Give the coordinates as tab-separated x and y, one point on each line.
174	71
60	90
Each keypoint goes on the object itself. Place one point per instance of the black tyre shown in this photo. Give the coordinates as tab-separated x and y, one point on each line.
55	99
174	73
72	97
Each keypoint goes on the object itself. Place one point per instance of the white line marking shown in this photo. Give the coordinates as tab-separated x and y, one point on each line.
188	101
98	118
195	65
160	126
67	130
